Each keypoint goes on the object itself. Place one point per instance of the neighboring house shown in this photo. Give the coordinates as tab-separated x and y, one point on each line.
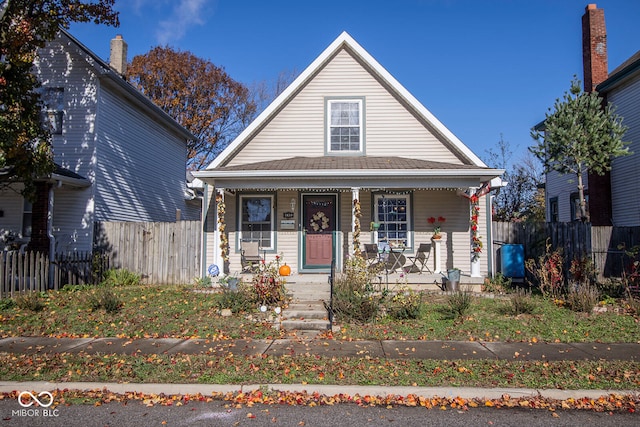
345	137
118	156
612	199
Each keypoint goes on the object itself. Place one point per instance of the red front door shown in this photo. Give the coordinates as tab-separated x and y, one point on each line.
319	223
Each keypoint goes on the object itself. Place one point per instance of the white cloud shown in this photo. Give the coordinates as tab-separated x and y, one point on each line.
183	16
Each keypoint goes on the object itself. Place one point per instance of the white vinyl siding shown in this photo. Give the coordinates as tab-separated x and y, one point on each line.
299	128
624	187
562	187
141	172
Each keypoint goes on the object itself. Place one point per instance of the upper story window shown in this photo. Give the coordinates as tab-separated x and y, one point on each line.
53	101
345	125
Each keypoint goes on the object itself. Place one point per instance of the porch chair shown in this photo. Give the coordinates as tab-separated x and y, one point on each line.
421	258
371	253
250	256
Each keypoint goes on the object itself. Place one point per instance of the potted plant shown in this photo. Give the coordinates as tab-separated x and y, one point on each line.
437	226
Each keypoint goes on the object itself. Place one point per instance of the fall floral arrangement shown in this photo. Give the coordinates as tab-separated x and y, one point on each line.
437	223
476	243
224	241
357	213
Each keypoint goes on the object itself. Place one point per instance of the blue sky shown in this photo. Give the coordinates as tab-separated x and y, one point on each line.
483	68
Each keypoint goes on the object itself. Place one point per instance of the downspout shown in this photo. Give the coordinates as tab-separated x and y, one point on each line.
52	238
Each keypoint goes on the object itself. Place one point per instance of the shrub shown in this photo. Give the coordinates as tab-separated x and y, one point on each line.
499	284
75	288
121	277
406	304
459	303
268	285
6	303
548	272
202	282
104	297
239	300
583	297
354	297
30	301
522	302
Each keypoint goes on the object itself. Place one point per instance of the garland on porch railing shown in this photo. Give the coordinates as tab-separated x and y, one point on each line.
476	243
357	213
224	241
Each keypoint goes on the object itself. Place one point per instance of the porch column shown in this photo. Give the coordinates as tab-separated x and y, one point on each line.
218	259
474	230
355	219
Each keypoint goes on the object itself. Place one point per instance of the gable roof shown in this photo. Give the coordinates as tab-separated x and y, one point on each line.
622	73
345	41
108	74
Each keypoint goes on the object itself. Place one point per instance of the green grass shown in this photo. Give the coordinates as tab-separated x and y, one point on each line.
179	312
490	320
262	369
146	311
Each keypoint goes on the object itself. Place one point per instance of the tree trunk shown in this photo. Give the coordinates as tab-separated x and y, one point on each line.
584	215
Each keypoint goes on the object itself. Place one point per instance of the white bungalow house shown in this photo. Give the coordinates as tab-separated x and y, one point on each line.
344	146
119	157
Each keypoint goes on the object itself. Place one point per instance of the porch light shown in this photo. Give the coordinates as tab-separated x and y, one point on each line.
293	205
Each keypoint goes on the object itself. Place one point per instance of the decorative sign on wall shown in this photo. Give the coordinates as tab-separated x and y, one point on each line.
287	215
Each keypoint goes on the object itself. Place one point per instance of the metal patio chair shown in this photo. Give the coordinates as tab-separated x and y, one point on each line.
420	260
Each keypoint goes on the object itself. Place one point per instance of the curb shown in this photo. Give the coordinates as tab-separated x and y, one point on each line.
322	389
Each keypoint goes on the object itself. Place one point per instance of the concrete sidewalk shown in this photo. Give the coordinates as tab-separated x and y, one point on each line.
391	349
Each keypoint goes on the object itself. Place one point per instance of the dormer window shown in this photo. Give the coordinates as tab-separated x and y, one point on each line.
345	125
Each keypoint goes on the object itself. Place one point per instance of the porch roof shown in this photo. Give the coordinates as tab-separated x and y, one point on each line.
346	172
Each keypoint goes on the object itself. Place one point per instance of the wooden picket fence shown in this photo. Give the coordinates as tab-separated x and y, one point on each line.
33	271
606	246
160	252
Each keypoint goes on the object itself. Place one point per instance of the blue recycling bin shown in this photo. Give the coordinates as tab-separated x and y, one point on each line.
512	260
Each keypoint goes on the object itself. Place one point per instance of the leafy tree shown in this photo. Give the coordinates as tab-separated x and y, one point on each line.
580	135
26	26
197	94
516	201
263	93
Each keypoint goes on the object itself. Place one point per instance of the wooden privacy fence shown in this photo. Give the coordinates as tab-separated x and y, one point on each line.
33	271
161	252
575	239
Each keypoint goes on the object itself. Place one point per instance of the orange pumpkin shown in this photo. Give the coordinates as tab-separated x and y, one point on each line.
284	270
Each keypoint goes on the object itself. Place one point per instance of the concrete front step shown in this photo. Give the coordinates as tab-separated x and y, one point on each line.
305	325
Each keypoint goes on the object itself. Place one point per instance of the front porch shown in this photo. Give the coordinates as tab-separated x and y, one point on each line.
315	286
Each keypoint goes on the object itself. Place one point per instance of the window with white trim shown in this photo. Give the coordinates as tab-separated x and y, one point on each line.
392	212
256	219
53	101
345	125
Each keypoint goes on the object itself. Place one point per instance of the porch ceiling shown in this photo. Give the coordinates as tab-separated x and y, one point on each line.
346	172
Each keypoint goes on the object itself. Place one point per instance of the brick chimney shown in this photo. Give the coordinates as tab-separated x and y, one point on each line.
594	47
594	60
118	56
